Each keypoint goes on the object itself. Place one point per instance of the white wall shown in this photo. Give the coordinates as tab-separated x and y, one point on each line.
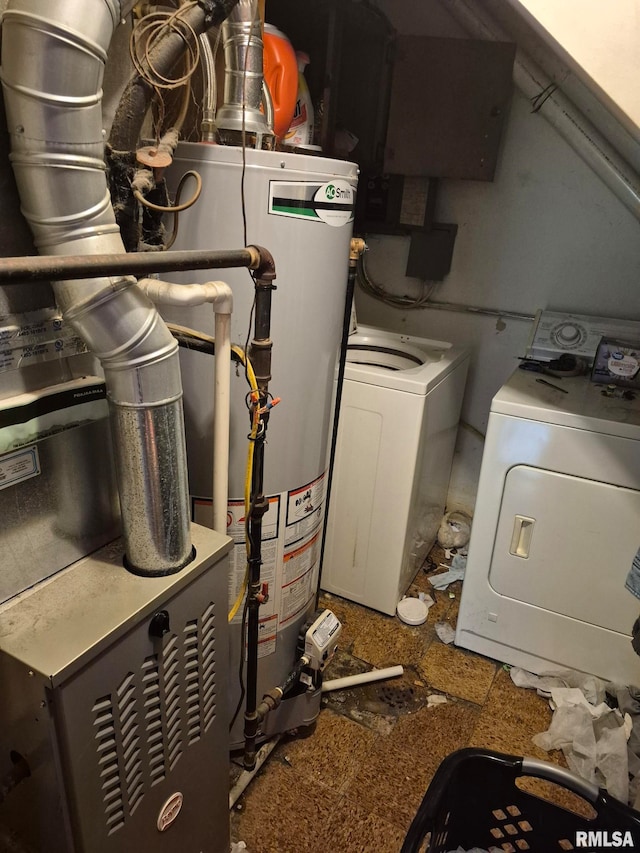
602	49
546	233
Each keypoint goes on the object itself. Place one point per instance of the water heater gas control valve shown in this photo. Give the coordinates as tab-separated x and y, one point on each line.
319	639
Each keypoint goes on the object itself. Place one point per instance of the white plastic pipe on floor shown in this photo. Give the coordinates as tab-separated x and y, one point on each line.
219	295
248	775
361	678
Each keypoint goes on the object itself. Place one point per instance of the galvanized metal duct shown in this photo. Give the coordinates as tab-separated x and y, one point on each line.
243	50
53	57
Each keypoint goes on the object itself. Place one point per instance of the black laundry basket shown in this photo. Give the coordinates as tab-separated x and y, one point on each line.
473	801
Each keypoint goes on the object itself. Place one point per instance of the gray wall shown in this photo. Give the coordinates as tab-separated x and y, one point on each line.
546	233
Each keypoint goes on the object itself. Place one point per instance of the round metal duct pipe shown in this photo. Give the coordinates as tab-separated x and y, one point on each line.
53	58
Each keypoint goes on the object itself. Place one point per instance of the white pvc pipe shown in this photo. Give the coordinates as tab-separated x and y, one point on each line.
219	294
561	113
247	775
361	678
221	415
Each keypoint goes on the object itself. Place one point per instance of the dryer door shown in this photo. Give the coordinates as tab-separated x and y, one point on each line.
565	544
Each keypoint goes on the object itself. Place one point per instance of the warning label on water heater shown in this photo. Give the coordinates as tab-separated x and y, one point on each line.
332	203
290	552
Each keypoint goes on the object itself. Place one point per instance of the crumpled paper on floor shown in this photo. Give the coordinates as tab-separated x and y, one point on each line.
238	846
445	632
455	573
593	688
592	735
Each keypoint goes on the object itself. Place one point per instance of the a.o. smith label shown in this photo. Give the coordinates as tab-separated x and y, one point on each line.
332	202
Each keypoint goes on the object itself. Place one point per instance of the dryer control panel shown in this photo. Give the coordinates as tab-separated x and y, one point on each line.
556	333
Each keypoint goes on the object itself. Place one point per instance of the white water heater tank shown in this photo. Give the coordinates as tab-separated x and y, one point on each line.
300	208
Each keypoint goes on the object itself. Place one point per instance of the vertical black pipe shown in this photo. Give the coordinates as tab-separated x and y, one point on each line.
346	323
260	355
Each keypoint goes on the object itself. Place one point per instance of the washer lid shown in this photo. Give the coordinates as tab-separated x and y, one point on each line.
401	362
583	406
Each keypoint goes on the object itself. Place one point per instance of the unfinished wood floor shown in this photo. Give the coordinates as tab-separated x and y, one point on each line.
356	783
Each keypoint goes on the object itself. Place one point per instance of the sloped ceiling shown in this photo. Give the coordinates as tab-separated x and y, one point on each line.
576	61
600	42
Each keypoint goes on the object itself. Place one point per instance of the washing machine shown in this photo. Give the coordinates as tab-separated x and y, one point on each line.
399	413
555	529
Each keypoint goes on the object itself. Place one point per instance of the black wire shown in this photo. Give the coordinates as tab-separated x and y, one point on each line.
244	129
241	668
247	527
246	343
243	199
243	203
198	345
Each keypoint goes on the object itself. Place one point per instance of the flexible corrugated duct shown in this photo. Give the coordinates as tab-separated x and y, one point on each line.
53	57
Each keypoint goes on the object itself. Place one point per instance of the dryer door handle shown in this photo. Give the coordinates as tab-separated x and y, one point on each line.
521	537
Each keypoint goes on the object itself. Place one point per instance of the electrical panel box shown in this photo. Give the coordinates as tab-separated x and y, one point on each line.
449	100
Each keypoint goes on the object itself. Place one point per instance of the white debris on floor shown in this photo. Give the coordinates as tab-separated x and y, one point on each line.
445	632
592	724
454	573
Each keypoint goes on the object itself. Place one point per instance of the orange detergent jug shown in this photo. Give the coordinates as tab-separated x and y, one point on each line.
281	76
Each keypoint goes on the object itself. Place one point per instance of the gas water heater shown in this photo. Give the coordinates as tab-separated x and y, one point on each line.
301	208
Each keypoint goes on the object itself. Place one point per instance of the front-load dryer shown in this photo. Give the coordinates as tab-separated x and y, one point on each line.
556	527
399	413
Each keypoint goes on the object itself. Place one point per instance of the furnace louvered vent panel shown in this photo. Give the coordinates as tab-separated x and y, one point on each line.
153	718
172	695
144	726
108	764
193	678
130	734
208	666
